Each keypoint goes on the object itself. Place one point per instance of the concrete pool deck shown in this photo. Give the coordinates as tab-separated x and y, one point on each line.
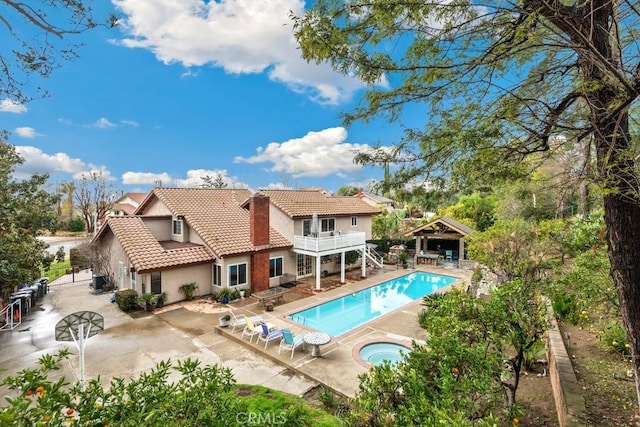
133	343
339	367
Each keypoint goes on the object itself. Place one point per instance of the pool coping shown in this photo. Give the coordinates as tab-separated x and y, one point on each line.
445	288
337	368
356	349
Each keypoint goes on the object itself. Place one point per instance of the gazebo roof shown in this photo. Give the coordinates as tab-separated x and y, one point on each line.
442	225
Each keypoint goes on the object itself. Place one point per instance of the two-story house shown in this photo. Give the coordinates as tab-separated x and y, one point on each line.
229	238
323	229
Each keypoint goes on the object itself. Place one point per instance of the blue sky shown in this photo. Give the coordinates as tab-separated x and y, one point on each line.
186	88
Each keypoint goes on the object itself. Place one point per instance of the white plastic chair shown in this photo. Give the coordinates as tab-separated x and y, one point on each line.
240	322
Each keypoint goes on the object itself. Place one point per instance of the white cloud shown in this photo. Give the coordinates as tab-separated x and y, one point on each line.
240	36
130	123
65	121
317	154
8	106
26	132
193	178
146	178
36	161
94	170
103	123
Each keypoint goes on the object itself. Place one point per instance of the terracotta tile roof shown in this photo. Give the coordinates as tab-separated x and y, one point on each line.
124	207
136	197
217	216
146	253
303	203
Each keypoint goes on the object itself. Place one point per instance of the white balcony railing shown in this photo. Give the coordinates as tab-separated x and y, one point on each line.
327	242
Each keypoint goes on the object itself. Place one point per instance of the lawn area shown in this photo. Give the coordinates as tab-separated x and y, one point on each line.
56	270
266	406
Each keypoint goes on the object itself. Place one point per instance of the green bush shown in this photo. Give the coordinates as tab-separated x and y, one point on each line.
127	299
565	307
75	224
614	337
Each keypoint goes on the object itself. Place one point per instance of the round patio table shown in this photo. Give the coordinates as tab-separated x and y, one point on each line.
316	339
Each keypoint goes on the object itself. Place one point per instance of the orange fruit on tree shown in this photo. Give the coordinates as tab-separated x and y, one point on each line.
70	411
455	371
40	389
28	392
46	418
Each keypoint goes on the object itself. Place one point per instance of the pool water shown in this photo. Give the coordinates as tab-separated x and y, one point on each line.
343	314
377	353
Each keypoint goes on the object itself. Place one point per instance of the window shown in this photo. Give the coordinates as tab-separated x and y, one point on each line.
238	274
306	227
156	283
217	275
275	267
328	224
354	221
133	279
177	227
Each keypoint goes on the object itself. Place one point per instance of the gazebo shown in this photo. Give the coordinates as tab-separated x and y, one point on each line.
440	240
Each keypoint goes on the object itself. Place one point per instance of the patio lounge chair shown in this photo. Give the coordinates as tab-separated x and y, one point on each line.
290	342
240	322
268	335
250	329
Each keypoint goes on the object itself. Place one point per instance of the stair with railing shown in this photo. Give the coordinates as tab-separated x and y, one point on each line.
373	256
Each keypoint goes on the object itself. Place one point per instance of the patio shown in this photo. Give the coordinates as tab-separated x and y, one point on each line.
339	366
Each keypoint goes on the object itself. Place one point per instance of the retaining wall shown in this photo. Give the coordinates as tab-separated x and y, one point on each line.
570	404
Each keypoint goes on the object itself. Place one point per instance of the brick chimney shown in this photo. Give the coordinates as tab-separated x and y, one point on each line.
359	193
259	220
259	234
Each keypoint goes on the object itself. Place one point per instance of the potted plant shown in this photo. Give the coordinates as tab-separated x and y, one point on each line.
242	293
224	321
224	295
403	257
149	301
161	299
188	290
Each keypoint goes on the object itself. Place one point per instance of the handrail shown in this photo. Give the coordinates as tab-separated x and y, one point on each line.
337	241
7	312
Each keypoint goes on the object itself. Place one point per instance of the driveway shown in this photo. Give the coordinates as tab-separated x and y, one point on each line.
130	344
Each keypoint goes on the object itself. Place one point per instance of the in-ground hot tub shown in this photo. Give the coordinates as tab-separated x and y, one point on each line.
375	353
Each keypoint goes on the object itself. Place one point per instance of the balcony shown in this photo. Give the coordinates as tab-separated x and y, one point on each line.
329	242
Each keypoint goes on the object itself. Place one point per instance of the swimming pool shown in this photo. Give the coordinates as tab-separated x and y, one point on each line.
343	314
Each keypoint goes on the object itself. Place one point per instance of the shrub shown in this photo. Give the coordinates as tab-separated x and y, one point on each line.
188	290
565	307
127	299
75	224
614	337
328	398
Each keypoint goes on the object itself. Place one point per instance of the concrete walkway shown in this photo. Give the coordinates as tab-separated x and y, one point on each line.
130	345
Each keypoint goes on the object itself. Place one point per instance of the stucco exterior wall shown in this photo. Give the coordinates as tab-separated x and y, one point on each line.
155	207
112	249
282	223
174	278
159	227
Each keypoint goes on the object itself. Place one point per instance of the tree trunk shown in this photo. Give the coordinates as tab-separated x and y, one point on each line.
622	220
